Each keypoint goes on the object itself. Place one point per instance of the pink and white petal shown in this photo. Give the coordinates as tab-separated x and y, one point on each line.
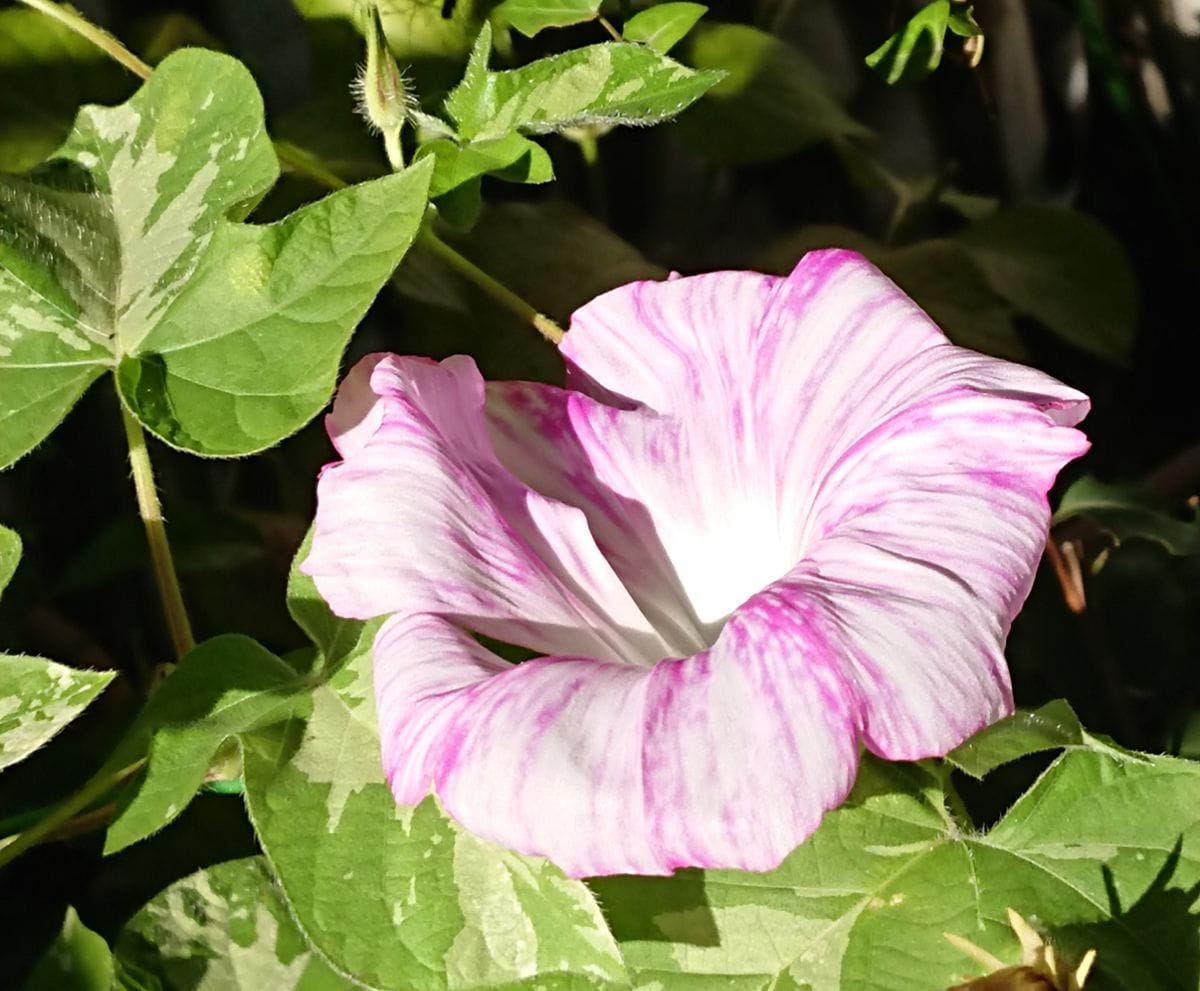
420	516
726	759
669	345
926	537
749	744
842	350
543	757
686	530
761	385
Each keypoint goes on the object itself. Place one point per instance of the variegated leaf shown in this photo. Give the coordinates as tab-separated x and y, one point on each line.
124	252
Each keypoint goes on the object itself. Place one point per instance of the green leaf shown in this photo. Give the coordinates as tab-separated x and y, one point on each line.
1054	726
1126	511
77	960
10	555
915	50
226	686
400	898
511	157
46	72
250	351
336	638
771	103
37	699
1064	269
1100	853
662	27
415	29
531	16
606	84
223	929
118	254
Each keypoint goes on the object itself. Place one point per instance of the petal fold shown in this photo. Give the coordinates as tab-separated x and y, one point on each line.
420	516
726	759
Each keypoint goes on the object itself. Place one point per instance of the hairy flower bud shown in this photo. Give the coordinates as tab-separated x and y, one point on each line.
385	99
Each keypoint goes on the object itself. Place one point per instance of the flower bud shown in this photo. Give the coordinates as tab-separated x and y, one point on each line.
384	97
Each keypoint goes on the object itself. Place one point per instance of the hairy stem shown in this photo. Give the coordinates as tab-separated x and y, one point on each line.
76	22
150	511
46	828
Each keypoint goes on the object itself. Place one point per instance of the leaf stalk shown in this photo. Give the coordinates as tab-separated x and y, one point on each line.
96	788
150	510
76	22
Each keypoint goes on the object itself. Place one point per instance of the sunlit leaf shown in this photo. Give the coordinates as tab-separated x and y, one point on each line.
605	84
226	686
223	929
915	50
415	29
123	253
531	16
77	960
664	25
1102	852
1054	726
10	555
512	157
37	699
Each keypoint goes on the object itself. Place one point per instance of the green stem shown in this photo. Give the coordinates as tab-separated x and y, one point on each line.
306	164
96	788
150	510
499	292
76	22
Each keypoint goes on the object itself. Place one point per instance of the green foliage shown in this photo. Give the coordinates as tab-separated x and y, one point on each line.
662	27
1093	852
37	699
10	555
139	242
915	50
226	686
416	29
1063	268
1126	511
78	960
772	101
119	254
1052	727
222	929
605	84
512	157
531	16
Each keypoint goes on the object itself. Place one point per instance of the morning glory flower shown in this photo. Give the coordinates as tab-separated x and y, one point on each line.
769	522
